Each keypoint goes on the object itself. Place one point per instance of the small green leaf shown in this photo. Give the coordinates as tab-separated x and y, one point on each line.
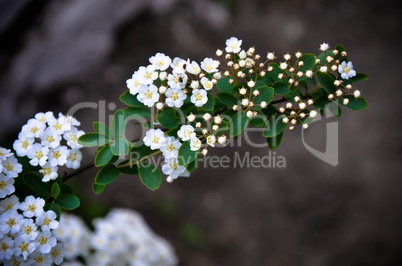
308	62
258	121
101	128
224	86
335	109
359	77
239	123
149	176
35	183
281	88
128	170
321	101
118	124
169	118
186	155
227	99
120	147
326	81
274	142
356	104
193	165
274	126
130	100
97	189
275	72
340	49
55	191
209	106
266	94
103	156
137	113
68	201
107	174
53	206
93	139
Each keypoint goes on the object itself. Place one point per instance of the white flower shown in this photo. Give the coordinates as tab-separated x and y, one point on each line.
346	70
57	126
23	247
170	148
163	75
177	81
6	248
210	65
185	132
211	140
68	121
309	73
11	167
323	69
6	186
28	230
5	153
49	172
195	143
32	206
47	220
72	137
10	203
49	138
58	156
154	138
160	61
243	54
193	68
195	84
33	128
74	159
175	97
148	95
22	144
171	167
57	253
147	75
199	97
178	65
44	117
222	140
45	242
37	258
10	222
206	83
134	83
233	45
324	47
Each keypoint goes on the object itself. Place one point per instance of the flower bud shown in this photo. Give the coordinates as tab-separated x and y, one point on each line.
242	91
301	63
251	50
195	84
291	70
191	117
235	107
339	93
230	64
313	114
215	127
159	106
330	97
291	81
293	121
345	101
204	152
282	109
256	93
263	73
335	52
317	61
231	81
217	75
257	57
302	105
283	66
201	75
263	104
287	56
330	59
169	179
323	69
334	68
297	99
245	102
310	102
270	68
300	74
305	126
302	115
344	54
227	73
271	56
337	83
249	114
219	52
163	75
242	54
251	83
356	93
214	81
293	113
255	113
292	128
251	104
228	56
298	54
289	106
309	73
162	89
285	120
198	124
251	71
239	74
217	119
261	65
280	76
205	131
348	87
206	116
236	66
222	140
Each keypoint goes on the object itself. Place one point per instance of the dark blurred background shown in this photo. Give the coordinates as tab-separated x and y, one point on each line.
54	54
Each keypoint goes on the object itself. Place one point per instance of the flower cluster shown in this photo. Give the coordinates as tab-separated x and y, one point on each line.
42	140
121	238
27	233
9	170
153	85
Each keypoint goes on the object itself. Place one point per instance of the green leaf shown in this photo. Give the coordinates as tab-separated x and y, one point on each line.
275	72
120	147
321	101
308	62
137	113
223	85
128	170
281	88
93	139
326	81
130	100
266	94
101	128
118	124
186	155
103	156
269	111
107	174
97	189
55	191
66	189
35	183
53	206
258	121
335	109
323	57
227	99
293	93
209	106
169	118
68	201
356	104
274	126
340	49
193	165
274	142
149	176
239	123
359	77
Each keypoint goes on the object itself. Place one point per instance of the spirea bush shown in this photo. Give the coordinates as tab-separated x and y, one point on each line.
185	108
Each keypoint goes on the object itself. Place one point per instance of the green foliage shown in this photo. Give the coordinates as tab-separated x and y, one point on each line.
149	176
107	174
35	183
239	123
128	99
224	86
93	139
169	118
101	128
274	126
326	81
356	104
274	142
227	99
68	201
280	88
266	94
120	147
186	155
55	190
103	156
